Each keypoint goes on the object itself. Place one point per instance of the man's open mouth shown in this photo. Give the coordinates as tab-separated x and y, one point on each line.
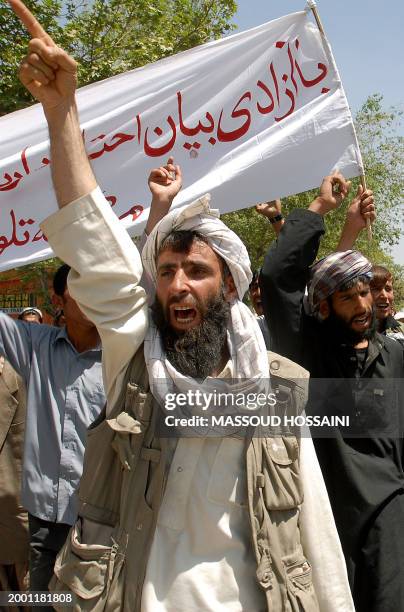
362	320
184	314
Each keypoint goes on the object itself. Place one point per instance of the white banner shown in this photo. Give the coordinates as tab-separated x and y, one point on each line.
255	116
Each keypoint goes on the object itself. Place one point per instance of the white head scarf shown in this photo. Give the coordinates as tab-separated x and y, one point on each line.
245	341
199	217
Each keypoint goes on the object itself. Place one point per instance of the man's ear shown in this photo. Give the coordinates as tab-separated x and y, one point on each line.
324	309
230	291
57	301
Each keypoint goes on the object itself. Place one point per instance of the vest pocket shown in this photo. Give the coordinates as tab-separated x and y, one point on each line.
282	486
87	571
99	497
113	447
299	583
133	456
127	442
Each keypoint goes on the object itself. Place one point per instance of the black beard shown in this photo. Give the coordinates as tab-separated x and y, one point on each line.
197	352
340	331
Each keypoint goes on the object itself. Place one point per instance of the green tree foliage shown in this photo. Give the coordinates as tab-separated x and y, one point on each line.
383	153
114	36
398	284
13	47
108	37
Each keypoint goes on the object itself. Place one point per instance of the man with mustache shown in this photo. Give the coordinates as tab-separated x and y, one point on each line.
355	371
381	284
175	524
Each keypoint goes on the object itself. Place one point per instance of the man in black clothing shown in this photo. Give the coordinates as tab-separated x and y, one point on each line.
382	290
332	333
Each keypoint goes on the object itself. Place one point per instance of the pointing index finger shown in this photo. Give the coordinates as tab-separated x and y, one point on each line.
24	14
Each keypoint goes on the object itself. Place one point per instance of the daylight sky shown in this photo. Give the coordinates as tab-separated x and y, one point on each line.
367	41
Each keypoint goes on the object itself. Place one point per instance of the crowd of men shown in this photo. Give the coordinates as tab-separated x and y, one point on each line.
241	519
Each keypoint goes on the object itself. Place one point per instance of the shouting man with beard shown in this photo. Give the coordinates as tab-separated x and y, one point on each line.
214	524
331	331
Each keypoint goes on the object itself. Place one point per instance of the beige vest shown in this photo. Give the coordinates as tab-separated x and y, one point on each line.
105	556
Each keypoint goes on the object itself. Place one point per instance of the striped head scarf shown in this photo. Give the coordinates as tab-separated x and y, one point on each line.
328	274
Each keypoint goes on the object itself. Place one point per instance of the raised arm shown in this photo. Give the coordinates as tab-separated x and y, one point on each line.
361	208
86	234
285	272
50	75
273	212
164	184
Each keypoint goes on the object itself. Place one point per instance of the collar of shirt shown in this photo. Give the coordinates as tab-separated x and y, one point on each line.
63	335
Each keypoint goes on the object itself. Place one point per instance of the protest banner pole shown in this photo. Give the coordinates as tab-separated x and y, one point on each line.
312	5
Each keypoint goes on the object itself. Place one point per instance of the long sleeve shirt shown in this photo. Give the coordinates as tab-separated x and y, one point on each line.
87	235
64	395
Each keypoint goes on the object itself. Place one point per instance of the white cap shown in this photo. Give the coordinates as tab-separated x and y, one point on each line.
30	310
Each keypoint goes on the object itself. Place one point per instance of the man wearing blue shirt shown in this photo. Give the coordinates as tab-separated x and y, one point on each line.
62	370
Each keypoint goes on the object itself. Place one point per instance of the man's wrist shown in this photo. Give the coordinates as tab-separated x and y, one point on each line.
320	206
350	230
57	114
161	202
354	225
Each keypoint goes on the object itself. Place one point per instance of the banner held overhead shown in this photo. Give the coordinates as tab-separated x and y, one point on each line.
255	116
